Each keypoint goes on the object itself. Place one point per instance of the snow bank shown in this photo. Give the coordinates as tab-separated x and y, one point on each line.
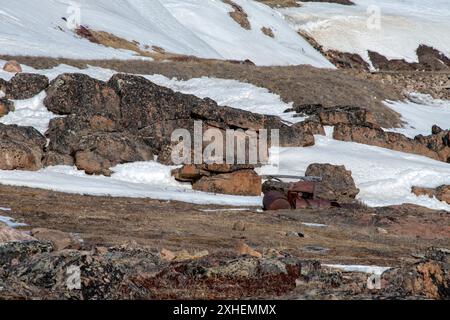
404	26
192	27
421	113
134	180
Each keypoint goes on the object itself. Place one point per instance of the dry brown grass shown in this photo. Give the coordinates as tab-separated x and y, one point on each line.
351	235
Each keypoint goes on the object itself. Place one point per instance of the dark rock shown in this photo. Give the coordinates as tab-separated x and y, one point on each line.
65	133
382	63
22	250
438	141
98	152
346	60
275	185
389	140
337	182
82	95
432	59
331	116
25	86
144	103
21	148
429	58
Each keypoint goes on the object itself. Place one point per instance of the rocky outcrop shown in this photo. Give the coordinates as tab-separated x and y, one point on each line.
438	141
431	146
98	152
429	58
429	278
82	95
331	116
337	182
21	148
136	119
25	86
441	193
135	272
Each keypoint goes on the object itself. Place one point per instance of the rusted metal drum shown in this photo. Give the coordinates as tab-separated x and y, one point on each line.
275	200
303	187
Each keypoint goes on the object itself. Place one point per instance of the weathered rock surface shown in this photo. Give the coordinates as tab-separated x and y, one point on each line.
438	141
12	66
25	86
21	148
129	119
35	269
98	152
389	140
337	182
429	278
441	193
331	116
52	158
82	95
242	182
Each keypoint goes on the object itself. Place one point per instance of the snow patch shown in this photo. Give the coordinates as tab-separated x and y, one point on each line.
70	180
314	225
376	270
420	114
30	113
190	27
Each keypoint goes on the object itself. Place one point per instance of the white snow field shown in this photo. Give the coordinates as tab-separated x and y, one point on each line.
405	24
202	28
385	177
421	113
